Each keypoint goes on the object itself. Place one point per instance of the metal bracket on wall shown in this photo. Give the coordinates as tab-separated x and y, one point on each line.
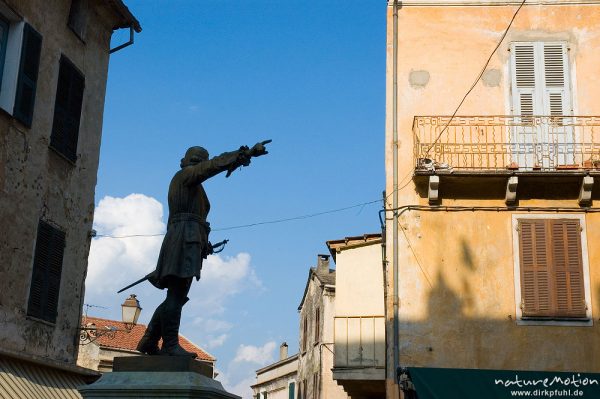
511	190
585	194
433	192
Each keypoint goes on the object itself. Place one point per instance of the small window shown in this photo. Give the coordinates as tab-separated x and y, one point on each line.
291	389
304	333
552	269
78	17
67	110
317	324
47	270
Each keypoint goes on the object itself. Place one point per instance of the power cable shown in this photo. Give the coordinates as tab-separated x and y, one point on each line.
300	217
478	77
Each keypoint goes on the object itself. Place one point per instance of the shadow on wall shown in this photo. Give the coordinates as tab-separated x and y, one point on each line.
449	336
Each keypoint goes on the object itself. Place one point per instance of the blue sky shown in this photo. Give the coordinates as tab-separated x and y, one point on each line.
310	76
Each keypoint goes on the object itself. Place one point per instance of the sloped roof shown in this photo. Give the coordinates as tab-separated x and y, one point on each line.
325	277
126	18
336	246
128	341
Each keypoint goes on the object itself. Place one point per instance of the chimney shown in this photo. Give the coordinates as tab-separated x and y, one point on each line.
323	263
283	353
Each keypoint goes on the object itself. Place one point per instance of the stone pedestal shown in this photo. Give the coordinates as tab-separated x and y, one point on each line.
145	377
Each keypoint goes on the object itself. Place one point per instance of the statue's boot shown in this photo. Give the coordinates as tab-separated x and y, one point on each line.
170	321
149	342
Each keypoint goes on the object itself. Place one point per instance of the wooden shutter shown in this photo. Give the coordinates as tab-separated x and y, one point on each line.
551	268
46	275
568	268
291	389
67	110
28	75
535	268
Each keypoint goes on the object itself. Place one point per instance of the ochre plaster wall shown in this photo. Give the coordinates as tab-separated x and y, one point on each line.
456	270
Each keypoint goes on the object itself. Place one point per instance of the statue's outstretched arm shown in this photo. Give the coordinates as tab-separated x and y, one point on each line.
228	161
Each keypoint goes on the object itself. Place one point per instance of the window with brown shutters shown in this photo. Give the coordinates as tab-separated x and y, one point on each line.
67	110
47	270
551	264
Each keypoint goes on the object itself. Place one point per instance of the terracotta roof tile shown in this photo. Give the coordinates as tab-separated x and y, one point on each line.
128	341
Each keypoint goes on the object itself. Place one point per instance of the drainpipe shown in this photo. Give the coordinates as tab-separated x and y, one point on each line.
122	46
395	260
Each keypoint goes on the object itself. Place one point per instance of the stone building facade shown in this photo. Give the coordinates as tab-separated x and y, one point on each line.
54	63
315	357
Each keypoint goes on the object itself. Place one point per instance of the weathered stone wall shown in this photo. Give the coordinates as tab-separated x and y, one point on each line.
38	183
316	356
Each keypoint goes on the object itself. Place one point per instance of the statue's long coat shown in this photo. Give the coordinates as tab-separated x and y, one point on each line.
186	243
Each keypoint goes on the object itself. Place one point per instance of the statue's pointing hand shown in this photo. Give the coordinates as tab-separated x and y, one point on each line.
259	149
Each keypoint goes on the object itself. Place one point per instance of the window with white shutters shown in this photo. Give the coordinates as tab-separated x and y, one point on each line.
540	79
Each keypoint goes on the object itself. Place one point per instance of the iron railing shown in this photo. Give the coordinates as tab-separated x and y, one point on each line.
359	341
500	143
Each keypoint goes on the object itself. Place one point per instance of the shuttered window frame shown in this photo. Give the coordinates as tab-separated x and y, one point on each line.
46	275
520	319
540	78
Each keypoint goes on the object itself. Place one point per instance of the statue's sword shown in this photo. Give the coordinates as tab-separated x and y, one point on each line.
214	249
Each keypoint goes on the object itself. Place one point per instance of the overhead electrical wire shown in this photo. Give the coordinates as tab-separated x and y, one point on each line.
311	215
478	77
300	217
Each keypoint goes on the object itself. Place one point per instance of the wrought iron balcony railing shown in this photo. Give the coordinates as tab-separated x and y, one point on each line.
501	143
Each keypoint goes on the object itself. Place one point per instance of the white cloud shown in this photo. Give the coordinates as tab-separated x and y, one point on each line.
242	388
255	354
116	262
241	371
217	341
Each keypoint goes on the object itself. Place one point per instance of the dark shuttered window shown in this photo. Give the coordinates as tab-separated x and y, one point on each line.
28	75
47	268
67	110
551	268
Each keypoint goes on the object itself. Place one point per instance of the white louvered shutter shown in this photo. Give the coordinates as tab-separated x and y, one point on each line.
540	79
524	79
556	85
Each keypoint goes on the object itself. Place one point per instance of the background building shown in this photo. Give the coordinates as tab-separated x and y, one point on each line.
97	353
492	235
53	71
278	380
317	311
359	324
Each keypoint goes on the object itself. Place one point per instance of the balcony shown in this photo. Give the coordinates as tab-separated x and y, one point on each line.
501	144
359	361
555	156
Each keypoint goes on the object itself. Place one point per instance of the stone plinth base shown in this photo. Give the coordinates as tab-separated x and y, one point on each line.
156	377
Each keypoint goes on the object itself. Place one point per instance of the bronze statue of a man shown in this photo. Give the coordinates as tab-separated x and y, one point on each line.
186	242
